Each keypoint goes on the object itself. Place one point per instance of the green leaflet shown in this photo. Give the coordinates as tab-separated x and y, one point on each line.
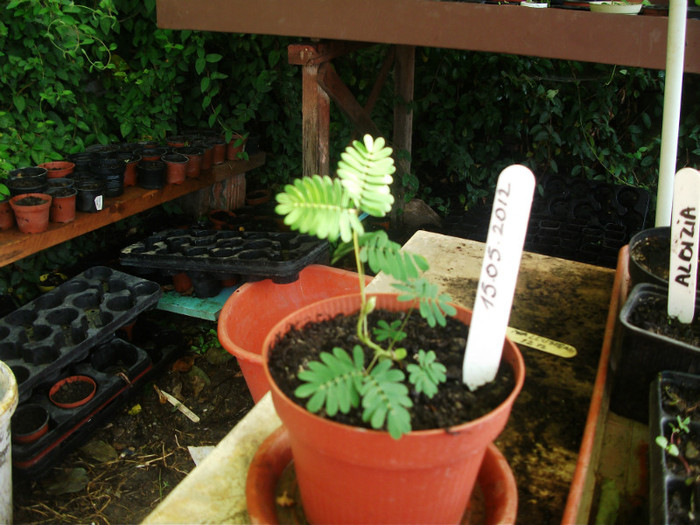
334	382
385	399
427	374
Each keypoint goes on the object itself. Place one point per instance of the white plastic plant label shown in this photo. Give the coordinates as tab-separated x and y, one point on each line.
684	245
499	272
98	202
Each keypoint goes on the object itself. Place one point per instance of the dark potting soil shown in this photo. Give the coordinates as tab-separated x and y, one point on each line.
72	392
30	421
454	403
653	254
30	201
650	314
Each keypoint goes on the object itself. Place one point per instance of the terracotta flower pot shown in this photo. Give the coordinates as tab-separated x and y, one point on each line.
255	308
196	156
355	475
219	151
235	147
207	153
62	204
31	211
7	218
72	391
58	168
176	167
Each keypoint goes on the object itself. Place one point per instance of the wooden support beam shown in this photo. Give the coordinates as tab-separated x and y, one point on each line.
315	123
404	72
333	85
316	53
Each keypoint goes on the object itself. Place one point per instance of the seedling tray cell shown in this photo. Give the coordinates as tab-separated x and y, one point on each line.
253	255
669	482
58	328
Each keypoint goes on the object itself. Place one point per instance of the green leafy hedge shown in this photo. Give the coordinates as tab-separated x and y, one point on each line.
76	73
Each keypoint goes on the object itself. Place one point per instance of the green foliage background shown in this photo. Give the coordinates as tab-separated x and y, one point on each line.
77	73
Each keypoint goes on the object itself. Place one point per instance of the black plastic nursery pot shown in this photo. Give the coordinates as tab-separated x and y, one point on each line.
151	174
650	342
27	184
91	194
649	255
674	479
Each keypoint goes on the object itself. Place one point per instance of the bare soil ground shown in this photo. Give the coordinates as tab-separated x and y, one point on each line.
134	459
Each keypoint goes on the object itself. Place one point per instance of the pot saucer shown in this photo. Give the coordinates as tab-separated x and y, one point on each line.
272	493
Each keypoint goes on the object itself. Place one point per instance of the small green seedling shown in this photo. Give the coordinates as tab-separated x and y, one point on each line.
670	444
330	209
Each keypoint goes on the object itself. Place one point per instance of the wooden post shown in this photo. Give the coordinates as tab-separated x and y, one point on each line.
403	122
316	110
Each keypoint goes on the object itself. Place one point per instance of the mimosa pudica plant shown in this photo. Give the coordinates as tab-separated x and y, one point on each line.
331	209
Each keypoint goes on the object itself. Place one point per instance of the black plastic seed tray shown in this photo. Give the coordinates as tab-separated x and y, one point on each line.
58	328
252	255
673	395
118	368
114	366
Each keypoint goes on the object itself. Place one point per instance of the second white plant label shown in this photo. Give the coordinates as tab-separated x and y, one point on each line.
684	245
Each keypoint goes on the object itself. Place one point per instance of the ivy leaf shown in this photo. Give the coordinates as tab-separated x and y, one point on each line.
19	102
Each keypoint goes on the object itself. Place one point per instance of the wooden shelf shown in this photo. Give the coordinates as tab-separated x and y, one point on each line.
15	245
638	41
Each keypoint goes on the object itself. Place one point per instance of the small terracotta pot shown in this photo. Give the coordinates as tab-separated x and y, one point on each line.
176	141
235	147
130	173
257	197
7	218
219	151
195	156
182	282
220	218
59	168
30	422
176	167
55	391
207	155
62	204
33	218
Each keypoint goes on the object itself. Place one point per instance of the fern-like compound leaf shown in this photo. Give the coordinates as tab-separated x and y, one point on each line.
385	400
319	206
334	382
384	255
365	170
427	374
434	306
